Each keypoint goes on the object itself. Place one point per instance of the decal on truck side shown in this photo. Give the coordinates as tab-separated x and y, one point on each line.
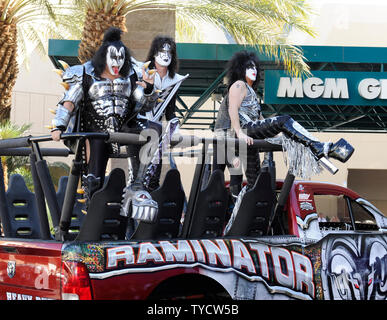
339	266
291	269
355	268
275	266
20	296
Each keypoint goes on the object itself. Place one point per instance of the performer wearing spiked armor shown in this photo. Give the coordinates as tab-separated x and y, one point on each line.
162	56
242	116
101	96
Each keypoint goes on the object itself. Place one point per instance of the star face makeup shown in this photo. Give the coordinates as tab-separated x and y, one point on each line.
115	59
163	57
251	71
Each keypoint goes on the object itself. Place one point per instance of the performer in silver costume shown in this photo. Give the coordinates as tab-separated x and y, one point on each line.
162	56
243	116
101	96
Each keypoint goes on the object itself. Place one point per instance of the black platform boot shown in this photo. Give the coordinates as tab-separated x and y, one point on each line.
137	202
154	181
341	150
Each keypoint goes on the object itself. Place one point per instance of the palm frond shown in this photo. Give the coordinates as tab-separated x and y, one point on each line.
66	23
9	130
260	24
187	30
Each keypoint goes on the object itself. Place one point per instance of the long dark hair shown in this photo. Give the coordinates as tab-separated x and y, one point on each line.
156	46
236	67
112	37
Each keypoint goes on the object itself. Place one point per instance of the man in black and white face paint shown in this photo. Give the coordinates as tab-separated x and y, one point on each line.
251	71
103	95
115	59
164	57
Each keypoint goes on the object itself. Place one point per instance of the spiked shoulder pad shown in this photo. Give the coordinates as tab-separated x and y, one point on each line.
73	75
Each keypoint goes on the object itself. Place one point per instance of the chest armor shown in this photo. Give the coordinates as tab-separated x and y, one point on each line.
109	102
250	110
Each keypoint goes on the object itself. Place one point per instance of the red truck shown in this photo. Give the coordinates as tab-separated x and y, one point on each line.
278	247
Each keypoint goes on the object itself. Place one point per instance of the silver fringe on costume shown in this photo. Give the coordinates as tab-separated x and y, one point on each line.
298	158
235	210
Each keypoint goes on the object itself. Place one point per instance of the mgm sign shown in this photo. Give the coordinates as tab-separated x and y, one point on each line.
340	88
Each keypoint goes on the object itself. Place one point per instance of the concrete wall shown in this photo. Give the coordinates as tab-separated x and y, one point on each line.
371	184
143	26
36	90
345	23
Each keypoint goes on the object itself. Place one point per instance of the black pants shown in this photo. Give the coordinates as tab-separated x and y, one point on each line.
270	127
134	166
249	161
220	161
98	159
134	152
253	165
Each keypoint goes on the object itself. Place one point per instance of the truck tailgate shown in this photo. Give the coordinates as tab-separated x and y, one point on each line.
30	269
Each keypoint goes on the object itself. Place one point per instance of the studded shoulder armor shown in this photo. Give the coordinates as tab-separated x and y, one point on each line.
73	77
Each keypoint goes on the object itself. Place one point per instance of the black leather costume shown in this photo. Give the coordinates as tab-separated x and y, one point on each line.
101	105
104	105
259	128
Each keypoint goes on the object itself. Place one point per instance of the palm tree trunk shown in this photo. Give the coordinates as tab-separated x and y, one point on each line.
5	172
8	67
96	23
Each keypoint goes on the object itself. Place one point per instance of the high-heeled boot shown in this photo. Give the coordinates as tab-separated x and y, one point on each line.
341	150
267	128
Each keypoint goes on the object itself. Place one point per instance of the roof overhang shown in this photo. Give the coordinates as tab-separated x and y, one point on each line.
206	63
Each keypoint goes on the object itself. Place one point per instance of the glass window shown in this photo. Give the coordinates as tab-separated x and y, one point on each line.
334	214
332	211
363	219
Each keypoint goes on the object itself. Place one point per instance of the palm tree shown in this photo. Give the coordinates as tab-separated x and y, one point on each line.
24	26
99	16
10	130
262	23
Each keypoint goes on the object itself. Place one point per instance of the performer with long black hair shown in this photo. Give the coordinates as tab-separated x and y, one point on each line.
163	58
242	117
101	95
